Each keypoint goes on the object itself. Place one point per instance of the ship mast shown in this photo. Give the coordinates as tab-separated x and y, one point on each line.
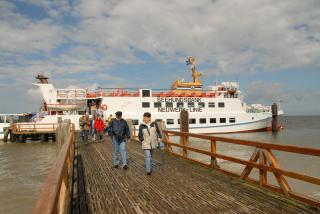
42	79
191	61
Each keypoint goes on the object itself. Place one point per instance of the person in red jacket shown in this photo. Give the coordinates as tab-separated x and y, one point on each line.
99	127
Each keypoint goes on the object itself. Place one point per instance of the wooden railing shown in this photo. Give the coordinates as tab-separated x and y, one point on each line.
33	127
55	194
262	159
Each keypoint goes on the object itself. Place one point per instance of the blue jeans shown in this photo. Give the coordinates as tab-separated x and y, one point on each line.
148	159
85	136
116	146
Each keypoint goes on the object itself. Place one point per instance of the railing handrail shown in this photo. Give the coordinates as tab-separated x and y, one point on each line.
285	148
49	199
37	124
262	159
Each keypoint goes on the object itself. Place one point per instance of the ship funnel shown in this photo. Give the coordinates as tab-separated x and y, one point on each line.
42	79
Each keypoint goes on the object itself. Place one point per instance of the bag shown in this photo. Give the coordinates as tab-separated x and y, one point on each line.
118	129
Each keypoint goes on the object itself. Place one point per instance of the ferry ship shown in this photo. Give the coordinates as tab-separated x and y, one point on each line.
217	109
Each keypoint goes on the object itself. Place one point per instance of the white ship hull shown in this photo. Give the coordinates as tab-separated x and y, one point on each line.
3	125
259	123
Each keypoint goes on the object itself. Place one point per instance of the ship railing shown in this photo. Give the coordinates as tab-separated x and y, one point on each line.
263	159
134	92
117	92
71	93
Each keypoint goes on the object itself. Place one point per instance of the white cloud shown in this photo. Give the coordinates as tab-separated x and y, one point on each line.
235	36
265	92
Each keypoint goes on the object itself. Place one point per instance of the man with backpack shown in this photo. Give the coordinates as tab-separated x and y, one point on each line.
150	137
119	132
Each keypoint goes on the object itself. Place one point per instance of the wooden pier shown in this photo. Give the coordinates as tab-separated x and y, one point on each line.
20	132
179	184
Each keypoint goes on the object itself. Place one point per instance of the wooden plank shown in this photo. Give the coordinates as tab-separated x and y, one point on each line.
280	179
182	187
262	173
247	170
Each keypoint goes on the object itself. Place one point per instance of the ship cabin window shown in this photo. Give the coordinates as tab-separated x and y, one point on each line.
211	105
223	120
213	120
191	105
192	121
1	118
232	120
157	104
203	120
180	105
135	122
221	105
170	121
169	105
145	105
158	120
178	121
201	105
145	93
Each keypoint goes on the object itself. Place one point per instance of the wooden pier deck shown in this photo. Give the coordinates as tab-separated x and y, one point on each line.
178	186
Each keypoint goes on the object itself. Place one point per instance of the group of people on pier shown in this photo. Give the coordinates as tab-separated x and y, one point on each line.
118	129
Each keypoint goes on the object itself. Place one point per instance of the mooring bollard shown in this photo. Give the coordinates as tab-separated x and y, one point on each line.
274	109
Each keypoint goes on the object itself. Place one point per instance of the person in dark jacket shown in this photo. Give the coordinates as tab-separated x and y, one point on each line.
150	137
119	132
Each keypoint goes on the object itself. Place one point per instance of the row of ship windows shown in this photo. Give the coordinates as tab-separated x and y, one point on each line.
194	121
181	105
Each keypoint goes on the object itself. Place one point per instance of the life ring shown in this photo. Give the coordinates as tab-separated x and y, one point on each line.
104	107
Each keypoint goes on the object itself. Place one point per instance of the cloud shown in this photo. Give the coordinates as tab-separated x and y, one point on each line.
89	39
265	92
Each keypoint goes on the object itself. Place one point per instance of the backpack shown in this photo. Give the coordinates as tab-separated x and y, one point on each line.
118	129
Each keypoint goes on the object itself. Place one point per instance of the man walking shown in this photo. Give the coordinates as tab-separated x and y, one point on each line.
85	125
150	137
119	132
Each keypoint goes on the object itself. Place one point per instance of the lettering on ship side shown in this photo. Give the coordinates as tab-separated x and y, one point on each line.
180	100
171	109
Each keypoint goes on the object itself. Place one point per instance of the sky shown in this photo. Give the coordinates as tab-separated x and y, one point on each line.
271	47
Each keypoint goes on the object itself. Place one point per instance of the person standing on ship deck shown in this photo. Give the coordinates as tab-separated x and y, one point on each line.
150	137
119	132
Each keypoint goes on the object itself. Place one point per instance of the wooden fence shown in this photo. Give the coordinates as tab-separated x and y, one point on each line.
55	195
28	128
262	159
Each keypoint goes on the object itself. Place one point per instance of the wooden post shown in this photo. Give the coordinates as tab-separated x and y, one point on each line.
274	109
184	126
131	127
185	143
6	134
184	121
262	173
165	137
214	163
